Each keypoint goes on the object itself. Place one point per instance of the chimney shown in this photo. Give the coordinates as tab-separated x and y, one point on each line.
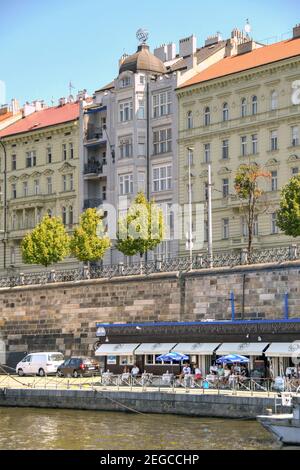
296	31
28	109
161	52
187	46
38	104
171	51
121	60
237	37
82	95
211	40
15	106
247	47
62	101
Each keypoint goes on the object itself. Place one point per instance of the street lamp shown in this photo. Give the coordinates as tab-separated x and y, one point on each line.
4	204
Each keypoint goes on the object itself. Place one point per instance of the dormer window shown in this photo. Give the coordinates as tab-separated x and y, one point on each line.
125	82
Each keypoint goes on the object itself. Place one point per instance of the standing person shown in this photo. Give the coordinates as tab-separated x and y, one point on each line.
135	371
186	370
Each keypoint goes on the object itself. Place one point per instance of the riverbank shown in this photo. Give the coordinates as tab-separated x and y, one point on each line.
192	403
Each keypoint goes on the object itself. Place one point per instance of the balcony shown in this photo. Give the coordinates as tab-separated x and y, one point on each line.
94	169
92	203
94	136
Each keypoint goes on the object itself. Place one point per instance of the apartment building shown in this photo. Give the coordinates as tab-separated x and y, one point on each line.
130	131
242	111
42	153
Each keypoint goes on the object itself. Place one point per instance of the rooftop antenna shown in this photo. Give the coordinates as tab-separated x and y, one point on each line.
52	101
248	27
71	87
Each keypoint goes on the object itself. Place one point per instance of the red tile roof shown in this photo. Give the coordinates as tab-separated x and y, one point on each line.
238	63
5	116
45	118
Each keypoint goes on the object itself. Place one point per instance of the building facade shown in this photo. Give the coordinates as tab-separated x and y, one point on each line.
42	151
130	132
244	111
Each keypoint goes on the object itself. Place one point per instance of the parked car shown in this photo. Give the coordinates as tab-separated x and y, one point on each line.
78	367
44	363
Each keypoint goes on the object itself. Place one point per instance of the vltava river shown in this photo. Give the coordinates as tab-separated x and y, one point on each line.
89	430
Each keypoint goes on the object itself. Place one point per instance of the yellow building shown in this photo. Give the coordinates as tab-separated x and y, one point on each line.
42	151
245	108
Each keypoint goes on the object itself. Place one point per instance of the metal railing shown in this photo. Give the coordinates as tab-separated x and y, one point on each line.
180	264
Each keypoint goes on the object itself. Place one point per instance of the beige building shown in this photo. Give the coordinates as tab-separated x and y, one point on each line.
42	152
245	109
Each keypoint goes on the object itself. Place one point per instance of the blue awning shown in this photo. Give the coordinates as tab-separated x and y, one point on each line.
96	110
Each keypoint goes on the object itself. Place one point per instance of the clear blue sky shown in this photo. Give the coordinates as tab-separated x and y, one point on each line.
46	43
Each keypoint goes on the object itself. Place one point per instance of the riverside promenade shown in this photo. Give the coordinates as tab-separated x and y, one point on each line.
88	394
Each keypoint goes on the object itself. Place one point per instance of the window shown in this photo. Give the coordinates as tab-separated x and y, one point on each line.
70	215
38	215
71	181
12	255
125	82
30	159
190	157
48	155
126	360
162	141
207	153
274	100
244	146
254	105
274	228
244	107
64	151
71	149
36	185
225	149
190	120
126	111
245	228
274	181
225	112
207	116
14	162
64	216
125	146
25	188
64	178
274	141
126	184
162	104
295	136
206	191
141	108
254	144
162	178
225	229
295	171
225	187
104	193
14	191
50	212
49	185
142	79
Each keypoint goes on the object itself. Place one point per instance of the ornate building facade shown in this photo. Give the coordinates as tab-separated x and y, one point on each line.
243	112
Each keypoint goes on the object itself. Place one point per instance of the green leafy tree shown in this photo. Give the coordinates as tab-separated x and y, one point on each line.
142	229
249	191
89	242
288	216
47	243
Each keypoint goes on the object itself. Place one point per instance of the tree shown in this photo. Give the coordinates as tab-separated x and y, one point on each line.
288	216
250	193
47	243
89	242
142	229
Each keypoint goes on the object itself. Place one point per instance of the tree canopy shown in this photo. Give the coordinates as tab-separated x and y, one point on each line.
288	216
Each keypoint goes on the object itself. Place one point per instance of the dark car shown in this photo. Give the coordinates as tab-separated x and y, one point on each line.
78	367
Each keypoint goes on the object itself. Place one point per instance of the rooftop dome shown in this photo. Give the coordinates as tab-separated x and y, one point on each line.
143	60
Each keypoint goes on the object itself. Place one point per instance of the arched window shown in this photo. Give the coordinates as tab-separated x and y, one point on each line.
244	107
225	112
190	120
254	104
207	116
274	100
70	215
64	216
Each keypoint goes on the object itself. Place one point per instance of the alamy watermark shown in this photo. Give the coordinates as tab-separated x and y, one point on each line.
296	92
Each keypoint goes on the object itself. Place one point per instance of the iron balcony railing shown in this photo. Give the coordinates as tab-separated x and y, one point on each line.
92	203
179	264
93	168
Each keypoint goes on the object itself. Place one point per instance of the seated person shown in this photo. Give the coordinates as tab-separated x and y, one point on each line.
135	371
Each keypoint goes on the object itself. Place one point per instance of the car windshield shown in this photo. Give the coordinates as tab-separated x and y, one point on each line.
56	357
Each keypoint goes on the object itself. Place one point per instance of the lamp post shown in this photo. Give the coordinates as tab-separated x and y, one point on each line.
4	204
209	217
190	232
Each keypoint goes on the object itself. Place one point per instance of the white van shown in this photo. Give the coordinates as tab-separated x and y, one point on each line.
40	364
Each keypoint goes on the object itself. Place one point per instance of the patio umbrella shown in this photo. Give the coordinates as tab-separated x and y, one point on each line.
231	358
173	356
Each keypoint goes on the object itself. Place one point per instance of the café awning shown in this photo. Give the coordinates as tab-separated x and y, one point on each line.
283	350
116	349
244	349
154	348
201	349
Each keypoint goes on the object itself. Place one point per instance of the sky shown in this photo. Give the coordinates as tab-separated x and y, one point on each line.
45	44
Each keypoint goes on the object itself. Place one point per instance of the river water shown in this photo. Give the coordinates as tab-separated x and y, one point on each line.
89	430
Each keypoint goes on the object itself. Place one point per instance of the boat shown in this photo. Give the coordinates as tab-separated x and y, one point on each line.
285	427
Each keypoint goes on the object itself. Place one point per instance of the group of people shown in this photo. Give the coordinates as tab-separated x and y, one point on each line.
134	372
